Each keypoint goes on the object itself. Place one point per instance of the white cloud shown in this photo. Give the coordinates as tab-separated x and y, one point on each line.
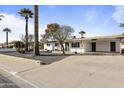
42	30
90	15
52	6
118	14
16	24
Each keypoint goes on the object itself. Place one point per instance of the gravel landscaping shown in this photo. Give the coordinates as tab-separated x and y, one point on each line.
46	58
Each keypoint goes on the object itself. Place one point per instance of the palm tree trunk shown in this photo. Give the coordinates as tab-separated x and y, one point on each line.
7	39
36	42
26	35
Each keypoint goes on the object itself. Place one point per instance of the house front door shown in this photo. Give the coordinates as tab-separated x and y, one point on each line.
93	47
112	46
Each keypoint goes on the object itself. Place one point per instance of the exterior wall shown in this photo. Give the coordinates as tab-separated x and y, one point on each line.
76	49
57	48
122	45
104	45
85	46
101	46
51	47
117	46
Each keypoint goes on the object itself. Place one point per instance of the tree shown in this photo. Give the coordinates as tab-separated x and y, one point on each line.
7	30
30	40
23	38
36	37
1	16
82	33
26	13
19	45
122	25
59	33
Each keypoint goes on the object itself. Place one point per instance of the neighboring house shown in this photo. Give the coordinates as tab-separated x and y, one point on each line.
89	44
10	45
52	45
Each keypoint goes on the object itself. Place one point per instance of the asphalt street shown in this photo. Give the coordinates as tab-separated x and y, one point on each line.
6	83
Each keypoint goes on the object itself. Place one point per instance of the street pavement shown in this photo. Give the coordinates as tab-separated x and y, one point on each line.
6	83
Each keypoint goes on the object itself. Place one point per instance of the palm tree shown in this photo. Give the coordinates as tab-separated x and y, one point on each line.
82	33
1	17
26	13
36	41
7	30
122	25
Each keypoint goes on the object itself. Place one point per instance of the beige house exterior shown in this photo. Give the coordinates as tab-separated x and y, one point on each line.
89	44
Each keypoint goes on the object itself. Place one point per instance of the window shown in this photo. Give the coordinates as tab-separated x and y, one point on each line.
75	44
56	44
48	44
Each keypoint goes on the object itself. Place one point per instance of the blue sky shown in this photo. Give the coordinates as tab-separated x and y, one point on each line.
95	20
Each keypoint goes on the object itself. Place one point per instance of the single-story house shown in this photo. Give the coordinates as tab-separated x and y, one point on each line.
112	43
4	45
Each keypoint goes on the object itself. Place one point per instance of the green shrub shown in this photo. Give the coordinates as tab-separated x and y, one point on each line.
19	46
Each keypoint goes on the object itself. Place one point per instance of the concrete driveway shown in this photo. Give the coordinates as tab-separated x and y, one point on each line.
73	71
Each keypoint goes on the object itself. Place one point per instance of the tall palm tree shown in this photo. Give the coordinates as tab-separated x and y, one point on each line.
7	30
82	33
26	13
36	41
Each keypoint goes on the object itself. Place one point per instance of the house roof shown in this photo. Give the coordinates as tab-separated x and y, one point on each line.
99	37
93	38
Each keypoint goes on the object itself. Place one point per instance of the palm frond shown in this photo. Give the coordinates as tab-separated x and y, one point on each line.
27	13
6	30
82	32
